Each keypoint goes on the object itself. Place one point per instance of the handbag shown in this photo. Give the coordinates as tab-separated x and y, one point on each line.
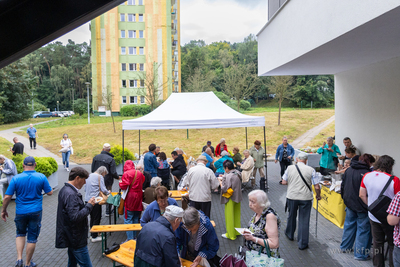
379	207
102	195
228	193
124	194
64	150
255	259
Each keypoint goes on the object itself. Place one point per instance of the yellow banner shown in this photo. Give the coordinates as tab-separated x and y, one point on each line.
331	206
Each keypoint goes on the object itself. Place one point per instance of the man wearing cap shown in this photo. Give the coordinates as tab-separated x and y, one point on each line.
201	180
300	179
28	187
106	159
156	242
209	146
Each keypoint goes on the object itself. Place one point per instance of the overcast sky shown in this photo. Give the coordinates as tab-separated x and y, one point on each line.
208	20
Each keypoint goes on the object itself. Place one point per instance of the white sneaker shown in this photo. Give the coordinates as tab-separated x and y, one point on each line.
67	169
224	236
94	240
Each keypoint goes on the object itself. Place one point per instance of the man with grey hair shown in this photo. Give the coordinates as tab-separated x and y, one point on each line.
32	134
200	180
106	159
299	179
196	238
8	168
156	242
18	147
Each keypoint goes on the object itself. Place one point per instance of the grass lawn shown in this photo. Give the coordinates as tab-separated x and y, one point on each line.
22	123
5	148
88	139
321	137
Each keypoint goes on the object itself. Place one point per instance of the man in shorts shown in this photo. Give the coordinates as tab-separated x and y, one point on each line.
28	187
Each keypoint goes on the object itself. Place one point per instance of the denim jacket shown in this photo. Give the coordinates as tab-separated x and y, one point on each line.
279	152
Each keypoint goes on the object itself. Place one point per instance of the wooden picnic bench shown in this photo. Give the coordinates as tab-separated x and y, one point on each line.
126	253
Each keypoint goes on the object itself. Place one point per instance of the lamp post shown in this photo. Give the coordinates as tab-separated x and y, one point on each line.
58	107
88	109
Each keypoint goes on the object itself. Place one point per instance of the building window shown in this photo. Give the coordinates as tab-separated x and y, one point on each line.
132	67
131	2
141	34
131	17
122	17
141	67
124	83
123	34
123	66
132	50
132	83
141	50
142	99
140	17
140	2
131	34
123	50
142	83
133	100
124	100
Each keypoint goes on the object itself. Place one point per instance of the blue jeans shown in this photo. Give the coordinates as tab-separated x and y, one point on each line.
357	229
65	158
80	255
396	256
132	217
31	223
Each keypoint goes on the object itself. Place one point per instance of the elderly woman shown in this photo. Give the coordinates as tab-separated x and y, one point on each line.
237	157
157	207
284	154
246	166
67	145
221	147
330	153
196	238
264	224
219	163
257	152
95	184
148	194
232	180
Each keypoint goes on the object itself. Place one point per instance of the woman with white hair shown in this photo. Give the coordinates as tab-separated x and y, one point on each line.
246	166
264	224
221	147
329	157
219	163
148	195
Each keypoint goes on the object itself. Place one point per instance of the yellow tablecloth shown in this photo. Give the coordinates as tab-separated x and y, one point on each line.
331	206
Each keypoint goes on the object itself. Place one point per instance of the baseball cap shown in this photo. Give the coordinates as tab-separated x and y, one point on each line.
174	211
106	146
209	142
29	161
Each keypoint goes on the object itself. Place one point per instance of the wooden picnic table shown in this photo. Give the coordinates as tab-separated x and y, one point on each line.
126	253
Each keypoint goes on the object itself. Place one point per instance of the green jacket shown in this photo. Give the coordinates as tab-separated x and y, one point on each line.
327	156
258	156
237	158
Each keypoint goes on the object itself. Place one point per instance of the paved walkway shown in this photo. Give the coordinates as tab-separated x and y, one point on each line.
40	151
310	134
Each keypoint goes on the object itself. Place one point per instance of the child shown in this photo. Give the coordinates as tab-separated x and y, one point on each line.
344	168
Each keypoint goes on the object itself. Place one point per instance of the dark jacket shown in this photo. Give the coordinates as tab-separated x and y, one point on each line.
179	165
208	245
350	188
147	180
156	245
106	159
72	222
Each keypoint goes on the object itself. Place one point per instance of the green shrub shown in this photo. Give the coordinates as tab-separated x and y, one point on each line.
134	110
45	165
1	201
223	97
244	104
52	162
117	152
18	160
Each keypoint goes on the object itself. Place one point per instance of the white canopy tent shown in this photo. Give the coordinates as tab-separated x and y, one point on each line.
195	111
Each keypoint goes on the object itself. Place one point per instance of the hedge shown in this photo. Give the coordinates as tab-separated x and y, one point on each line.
134	110
44	165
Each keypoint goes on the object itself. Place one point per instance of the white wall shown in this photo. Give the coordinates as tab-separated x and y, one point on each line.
368	109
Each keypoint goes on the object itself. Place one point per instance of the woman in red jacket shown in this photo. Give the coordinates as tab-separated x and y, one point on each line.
221	147
133	201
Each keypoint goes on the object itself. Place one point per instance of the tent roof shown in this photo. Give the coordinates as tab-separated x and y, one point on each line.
192	111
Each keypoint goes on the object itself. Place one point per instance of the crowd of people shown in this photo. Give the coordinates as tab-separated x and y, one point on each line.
367	181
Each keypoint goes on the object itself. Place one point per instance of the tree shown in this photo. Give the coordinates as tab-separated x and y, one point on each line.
107	101
199	82
80	106
239	82
153	85
280	85
316	89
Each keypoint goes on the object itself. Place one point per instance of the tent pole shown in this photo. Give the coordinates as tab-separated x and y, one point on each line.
187	133
265	163
139	143
247	147
123	150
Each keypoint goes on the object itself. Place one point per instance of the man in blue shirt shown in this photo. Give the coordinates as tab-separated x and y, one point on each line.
32	134
28	188
208	154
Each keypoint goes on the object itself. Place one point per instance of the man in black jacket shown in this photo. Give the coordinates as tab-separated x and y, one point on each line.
178	166
106	159
356	225
72	221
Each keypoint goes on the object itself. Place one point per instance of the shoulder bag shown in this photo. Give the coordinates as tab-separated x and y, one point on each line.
102	195
302	178
124	194
379	207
